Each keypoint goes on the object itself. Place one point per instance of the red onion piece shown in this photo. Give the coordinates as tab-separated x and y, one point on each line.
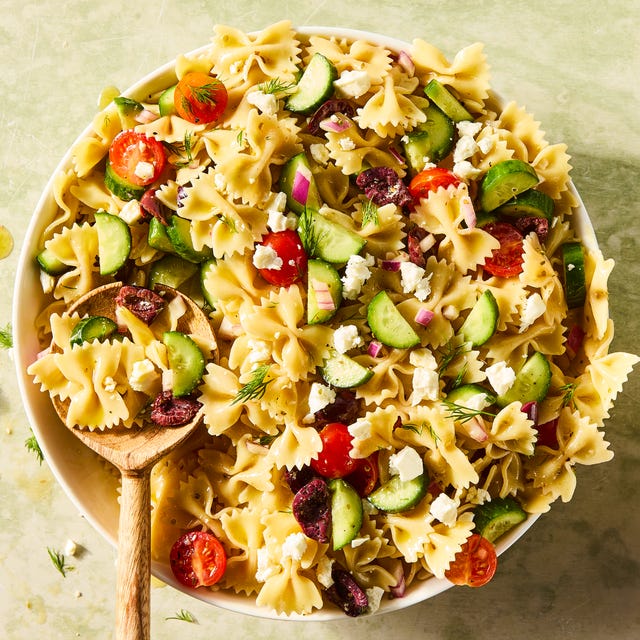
300	188
400	587
323	295
424	316
146	116
374	348
335	125
397	155
575	338
531	409
475	429
468	212
391	265
406	62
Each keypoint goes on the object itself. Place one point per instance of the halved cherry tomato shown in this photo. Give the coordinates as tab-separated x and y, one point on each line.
200	98
198	559
365	477
505	261
431	180
334	460
475	564
294	259
137	158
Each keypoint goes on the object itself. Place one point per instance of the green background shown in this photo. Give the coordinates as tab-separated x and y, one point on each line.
574	65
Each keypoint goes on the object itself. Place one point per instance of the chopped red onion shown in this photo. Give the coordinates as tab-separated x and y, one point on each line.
374	348
531	409
397	155
146	116
300	188
475	429
391	265
424	316
334	124
575	338
398	590
406	62
323	295
468	212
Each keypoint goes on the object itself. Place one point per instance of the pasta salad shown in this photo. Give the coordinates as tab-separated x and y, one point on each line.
412	334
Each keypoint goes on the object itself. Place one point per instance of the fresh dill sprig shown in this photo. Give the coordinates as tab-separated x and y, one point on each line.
370	213
231	224
409	426
59	561
277	86
265	441
256	387
240	138
308	232
184	616
448	354
460	376
463	414
569	390
183	150
31	443
205	94
6	337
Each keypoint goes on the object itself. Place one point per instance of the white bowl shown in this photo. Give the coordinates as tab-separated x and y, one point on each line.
84	477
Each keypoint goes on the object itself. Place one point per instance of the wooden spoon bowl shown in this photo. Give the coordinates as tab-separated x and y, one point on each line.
134	451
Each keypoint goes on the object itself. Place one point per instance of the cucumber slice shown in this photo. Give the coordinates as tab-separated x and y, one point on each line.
50	264
92	328
328	240
575	286
462	394
321	272
446	101
172	271
495	518
186	361
179	232
388	325
314	87
346	512
430	141
295	171
504	181
114	242
158	238
528	203
482	320
395	495
531	384
119	186
165	101
205	267
341	371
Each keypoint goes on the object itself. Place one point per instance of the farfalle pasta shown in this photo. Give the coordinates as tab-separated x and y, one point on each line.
343	251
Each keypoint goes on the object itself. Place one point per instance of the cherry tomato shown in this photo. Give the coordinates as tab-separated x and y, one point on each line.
200	98
506	261
198	559
365	476
334	460
431	180
137	158
475	564
289	249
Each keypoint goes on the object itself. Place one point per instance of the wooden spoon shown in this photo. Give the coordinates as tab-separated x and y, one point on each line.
134	451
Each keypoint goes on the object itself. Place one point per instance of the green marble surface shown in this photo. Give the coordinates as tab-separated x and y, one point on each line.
575	65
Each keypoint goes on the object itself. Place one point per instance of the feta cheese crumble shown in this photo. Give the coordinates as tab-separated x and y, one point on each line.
323	571
414	281
347	144
426	381
406	463
266	568
534	307
267	103
266	258
144	170
346	337
319	153
294	546
143	375
356	273
501	377
445	509
320	396
352	84
360	429
374	598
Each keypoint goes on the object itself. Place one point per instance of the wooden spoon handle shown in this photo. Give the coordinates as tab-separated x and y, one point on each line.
134	565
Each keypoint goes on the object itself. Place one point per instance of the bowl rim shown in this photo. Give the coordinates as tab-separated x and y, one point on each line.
53	436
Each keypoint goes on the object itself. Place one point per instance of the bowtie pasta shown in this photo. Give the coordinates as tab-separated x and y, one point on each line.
268	396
